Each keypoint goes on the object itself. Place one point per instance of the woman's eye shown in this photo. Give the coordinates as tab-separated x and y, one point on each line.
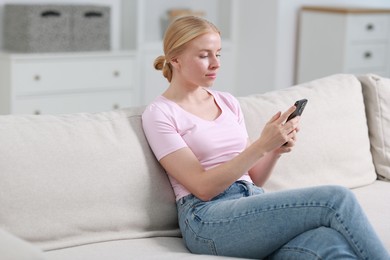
218	55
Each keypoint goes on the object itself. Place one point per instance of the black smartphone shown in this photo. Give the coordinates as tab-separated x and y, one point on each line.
300	106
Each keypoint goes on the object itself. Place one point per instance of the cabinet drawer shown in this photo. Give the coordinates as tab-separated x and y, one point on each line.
366	56
49	76
72	103
363	27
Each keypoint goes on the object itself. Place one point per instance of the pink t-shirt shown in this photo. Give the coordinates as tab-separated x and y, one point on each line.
169	128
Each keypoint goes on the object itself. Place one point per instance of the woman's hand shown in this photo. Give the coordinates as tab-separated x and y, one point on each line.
287	147
278	135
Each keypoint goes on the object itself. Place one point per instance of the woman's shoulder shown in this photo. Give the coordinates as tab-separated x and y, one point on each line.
157	107
160	103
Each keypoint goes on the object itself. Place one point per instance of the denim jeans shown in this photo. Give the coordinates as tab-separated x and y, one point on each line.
323	222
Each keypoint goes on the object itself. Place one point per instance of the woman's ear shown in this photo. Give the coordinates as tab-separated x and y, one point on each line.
174	62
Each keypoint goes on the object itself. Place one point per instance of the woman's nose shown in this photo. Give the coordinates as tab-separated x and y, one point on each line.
215	63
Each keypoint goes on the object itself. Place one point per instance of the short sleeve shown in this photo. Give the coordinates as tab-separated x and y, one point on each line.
160	132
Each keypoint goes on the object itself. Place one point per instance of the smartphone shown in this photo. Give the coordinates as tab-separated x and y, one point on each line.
300	106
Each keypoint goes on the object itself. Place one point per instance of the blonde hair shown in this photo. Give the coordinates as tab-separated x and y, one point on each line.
178	34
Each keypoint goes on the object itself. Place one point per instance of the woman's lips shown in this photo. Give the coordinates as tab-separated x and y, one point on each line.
211	75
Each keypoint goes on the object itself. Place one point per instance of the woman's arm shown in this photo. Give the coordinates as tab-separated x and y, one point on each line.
186	169
263	168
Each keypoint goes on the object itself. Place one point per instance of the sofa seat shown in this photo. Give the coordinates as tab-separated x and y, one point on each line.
373	199
159	248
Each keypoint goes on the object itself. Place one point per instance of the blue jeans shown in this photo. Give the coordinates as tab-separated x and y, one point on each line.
313	223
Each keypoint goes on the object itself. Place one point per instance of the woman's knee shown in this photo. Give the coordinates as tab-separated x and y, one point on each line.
339	194
338	190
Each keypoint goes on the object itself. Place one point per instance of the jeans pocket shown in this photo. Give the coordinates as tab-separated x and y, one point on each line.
197	244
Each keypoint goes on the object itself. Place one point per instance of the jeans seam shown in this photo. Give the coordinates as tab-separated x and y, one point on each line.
301	250
253	212
210	242
347	231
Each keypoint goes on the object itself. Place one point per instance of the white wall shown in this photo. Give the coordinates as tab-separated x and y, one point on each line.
115	15
267	36
255	50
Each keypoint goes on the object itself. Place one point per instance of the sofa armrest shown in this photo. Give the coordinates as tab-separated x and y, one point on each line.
14	248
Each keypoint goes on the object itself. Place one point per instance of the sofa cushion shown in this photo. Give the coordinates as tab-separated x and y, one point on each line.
333	145
376	92
73	179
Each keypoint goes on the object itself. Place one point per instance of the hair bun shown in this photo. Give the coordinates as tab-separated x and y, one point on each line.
159	62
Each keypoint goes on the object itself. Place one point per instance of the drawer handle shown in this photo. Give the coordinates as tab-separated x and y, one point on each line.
37	78
116	73
367	55
370	27
92	14
116	106
50	13
37	112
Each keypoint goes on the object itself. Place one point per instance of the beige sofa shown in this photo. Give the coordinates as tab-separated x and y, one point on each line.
86	186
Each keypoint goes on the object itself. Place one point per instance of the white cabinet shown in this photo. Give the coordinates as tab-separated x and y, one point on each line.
343	40
143	25
65	83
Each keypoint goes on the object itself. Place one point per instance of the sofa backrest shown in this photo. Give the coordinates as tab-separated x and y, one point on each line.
333	146
68	180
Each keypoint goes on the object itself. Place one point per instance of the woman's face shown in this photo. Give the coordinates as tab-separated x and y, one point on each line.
199	63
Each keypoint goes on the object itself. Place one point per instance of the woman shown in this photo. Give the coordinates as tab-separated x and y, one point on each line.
199	137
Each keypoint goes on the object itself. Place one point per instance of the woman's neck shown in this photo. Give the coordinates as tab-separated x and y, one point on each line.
180	94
